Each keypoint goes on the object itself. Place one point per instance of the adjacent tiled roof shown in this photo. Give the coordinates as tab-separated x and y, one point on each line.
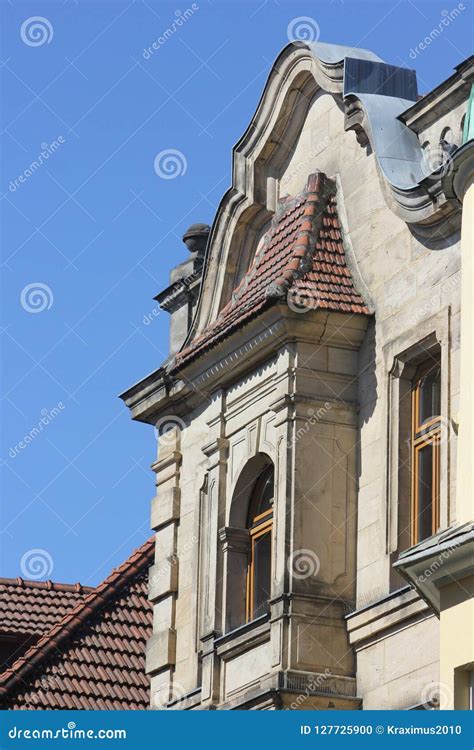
301	261
94	657
33	607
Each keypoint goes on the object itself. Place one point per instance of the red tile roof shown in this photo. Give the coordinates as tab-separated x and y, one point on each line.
94	657
301	261
33	607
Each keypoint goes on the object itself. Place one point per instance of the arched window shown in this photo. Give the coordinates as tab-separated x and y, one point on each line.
260	526
247	544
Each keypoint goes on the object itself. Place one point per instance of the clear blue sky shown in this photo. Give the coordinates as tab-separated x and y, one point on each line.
99	229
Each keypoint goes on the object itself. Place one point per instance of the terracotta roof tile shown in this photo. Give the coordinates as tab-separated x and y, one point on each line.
33	607
94	657
301	261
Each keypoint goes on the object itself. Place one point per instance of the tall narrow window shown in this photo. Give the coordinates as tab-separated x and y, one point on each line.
260	525
426	438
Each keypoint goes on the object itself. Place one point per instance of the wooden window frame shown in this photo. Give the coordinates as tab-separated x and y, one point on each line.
261	525
422	436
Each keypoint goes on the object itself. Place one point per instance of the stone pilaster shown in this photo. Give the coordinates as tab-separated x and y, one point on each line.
211	626
164	574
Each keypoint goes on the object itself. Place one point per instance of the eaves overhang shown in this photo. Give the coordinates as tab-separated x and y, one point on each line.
444	558
163	392
425	111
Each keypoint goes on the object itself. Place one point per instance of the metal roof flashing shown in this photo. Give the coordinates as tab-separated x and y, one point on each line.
385	92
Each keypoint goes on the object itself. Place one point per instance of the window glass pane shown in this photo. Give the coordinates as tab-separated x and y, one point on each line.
262	495
267	490
262	573
430	405
425	491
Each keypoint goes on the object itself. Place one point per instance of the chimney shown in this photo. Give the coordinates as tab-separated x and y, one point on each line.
180	297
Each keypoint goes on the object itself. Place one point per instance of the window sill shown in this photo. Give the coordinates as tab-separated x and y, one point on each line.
244	637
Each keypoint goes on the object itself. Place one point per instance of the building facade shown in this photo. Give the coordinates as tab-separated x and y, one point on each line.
309	415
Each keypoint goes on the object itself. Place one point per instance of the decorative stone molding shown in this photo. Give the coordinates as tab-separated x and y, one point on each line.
402	356
234	540
367	625
298	73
